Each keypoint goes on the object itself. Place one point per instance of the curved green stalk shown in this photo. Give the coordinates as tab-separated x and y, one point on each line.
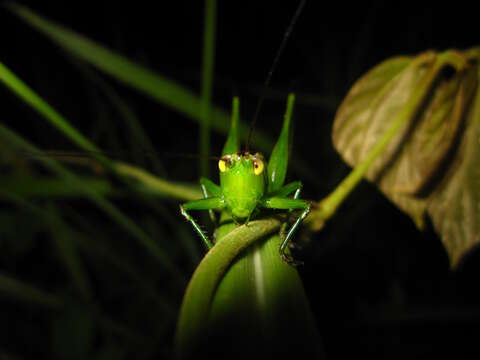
242	281
201	289
156	185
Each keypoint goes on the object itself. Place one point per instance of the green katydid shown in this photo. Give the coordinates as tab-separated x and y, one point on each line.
247	184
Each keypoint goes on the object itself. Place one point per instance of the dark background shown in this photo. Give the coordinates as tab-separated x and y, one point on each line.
377	286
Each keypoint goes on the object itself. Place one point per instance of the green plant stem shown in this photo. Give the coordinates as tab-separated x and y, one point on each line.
156	185
201	289
207	82
329	205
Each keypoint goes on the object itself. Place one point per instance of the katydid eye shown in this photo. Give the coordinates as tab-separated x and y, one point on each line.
222	165
258	166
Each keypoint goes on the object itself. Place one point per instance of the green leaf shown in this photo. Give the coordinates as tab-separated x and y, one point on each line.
370	109
259	288
455	206
240	282
432	138
433	92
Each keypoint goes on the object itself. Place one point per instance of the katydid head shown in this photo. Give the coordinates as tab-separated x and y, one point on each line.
243	181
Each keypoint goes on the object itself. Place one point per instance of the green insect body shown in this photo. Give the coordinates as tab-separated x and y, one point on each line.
242	188
247	184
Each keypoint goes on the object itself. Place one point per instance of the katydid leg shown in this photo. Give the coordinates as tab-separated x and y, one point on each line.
295	186
211	203
288	204
212	188
209	188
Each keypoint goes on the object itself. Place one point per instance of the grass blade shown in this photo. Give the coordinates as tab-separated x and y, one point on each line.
137	134
159	186
46	187
24	292
157	87
62	239
21	145
36	102
207	82
153	184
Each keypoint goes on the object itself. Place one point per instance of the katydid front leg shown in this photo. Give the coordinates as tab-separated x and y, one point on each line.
209	189
284	203
295	186
212	203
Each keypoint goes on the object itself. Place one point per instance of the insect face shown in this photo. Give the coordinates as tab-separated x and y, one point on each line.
243	180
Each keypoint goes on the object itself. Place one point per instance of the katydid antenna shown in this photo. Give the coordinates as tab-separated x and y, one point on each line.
272	69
